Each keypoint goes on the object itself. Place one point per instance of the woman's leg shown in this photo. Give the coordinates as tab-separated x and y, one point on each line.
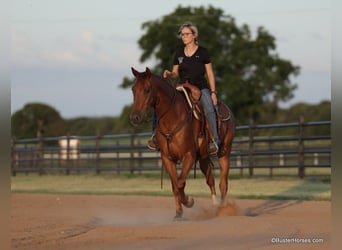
209	112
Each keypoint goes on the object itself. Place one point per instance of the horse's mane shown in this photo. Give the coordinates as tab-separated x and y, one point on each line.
162	82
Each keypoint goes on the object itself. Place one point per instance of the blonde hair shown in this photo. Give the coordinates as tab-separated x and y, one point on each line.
193	29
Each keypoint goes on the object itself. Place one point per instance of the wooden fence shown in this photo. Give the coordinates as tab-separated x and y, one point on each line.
253	148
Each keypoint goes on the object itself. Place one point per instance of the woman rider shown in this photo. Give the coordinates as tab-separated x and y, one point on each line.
192	62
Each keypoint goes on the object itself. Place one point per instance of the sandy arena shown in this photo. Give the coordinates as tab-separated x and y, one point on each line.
83	222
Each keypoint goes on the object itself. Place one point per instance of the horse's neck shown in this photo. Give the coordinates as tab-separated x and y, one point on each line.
170	102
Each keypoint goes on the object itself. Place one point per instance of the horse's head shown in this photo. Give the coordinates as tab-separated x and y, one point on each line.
142	94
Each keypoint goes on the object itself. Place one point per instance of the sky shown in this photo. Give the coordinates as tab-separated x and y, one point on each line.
73	54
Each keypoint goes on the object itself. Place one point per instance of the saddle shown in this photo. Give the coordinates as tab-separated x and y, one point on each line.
223	114
193	95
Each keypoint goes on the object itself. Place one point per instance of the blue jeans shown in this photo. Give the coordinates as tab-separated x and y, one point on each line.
209	111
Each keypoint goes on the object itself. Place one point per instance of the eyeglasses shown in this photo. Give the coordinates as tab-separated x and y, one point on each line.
186	34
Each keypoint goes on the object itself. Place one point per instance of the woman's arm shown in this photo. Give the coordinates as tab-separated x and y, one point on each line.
211	80
173	73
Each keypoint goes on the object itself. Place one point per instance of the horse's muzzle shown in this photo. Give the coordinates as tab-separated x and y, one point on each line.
136	119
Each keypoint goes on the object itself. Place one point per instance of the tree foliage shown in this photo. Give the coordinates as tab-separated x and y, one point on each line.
36	118
248	71
90	126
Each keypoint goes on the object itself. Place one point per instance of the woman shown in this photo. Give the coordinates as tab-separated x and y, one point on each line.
192	62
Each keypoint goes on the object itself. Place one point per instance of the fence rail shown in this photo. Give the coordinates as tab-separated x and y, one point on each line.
128	152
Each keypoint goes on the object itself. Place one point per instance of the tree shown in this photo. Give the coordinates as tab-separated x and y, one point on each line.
36	118
249	73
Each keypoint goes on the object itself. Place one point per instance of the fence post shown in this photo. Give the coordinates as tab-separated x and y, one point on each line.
132	154
272	158
140	155
118	167
14	161
98	138
250	147
40	154
67	170
301	168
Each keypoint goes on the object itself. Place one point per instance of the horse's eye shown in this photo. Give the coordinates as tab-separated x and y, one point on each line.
147	91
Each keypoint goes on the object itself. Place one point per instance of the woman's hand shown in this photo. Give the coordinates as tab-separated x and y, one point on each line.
214	98
167	73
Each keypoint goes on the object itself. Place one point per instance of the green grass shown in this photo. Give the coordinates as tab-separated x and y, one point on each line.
264	187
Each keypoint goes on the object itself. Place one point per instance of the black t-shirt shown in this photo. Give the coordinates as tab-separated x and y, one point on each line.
193	68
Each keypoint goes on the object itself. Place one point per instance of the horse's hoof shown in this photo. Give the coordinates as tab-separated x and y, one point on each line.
190	202
179	218
179	214
215	200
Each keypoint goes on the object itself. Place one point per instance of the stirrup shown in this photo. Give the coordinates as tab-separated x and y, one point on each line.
213	148
152	144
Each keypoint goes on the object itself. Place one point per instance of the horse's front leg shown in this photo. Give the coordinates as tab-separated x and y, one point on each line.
170	167
224	165
205	166
187	162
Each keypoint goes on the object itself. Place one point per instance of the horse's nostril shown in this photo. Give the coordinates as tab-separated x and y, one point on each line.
135	118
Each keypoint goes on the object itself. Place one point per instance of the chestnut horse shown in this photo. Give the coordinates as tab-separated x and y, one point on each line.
180	136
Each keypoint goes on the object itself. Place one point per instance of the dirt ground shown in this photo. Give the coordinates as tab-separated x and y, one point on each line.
143	222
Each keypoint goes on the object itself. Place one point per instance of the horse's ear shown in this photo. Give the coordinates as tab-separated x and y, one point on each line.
135	73
148	72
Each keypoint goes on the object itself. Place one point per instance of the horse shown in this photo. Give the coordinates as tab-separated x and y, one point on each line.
180	136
